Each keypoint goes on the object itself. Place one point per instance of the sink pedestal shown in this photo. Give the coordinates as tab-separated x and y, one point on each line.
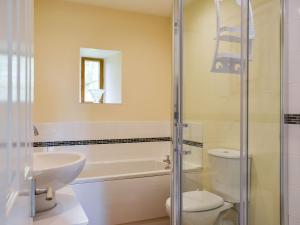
42	204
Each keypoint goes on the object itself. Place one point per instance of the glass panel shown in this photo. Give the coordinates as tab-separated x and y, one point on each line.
211	110
264	115
92	79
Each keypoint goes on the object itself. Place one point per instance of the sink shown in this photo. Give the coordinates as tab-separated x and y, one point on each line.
56	169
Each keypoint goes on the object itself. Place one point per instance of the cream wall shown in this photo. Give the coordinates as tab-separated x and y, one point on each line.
61	28
214	99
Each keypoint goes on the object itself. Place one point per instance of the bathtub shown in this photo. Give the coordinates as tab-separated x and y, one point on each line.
121	192
118	170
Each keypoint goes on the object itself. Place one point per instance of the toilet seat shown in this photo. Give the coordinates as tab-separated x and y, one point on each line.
200	207
198	201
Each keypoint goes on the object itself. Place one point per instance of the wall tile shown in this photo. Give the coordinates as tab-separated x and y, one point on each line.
293	102
294	9
294	170
294	201
294	220
294	139
50	132
294	35
103	130
194	132
294	75
113	152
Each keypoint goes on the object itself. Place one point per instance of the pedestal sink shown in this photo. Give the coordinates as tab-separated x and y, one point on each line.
53	171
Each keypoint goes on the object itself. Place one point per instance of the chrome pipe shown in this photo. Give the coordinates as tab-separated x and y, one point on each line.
176	178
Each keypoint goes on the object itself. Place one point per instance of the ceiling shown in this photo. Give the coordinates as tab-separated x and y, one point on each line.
154	7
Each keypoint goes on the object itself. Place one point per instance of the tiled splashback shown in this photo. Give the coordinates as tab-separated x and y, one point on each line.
108	141
100	130
114	152
193	142
193	132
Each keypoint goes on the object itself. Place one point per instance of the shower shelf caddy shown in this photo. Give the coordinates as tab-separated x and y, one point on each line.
229	62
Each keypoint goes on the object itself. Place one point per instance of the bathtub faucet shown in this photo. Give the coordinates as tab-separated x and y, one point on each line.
168	162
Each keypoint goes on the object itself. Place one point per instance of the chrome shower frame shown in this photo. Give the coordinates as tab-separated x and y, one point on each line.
176	176
176	181
244	109
284	190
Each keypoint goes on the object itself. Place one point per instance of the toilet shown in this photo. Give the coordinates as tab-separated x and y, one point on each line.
204	207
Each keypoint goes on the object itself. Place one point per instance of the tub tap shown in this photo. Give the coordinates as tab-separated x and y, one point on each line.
168	162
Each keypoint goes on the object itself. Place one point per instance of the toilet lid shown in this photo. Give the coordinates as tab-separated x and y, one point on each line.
196	201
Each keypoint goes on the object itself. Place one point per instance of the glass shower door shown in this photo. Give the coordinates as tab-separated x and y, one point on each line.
211	111
226	112
264	116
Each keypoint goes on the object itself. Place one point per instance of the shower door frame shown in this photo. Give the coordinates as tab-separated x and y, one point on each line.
177	125
177	150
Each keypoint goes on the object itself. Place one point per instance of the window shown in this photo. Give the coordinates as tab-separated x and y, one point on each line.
100	76
92	80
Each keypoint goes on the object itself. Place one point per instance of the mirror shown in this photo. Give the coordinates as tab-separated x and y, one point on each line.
101	76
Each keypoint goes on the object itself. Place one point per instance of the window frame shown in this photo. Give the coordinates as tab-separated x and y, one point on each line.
101	75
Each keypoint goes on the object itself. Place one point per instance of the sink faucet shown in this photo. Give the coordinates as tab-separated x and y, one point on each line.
35	131
168	162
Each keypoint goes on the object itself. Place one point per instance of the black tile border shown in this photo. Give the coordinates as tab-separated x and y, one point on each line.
100	142
292	118
112	141
193	143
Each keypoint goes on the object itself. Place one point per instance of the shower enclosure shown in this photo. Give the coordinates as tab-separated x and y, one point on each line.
227	66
